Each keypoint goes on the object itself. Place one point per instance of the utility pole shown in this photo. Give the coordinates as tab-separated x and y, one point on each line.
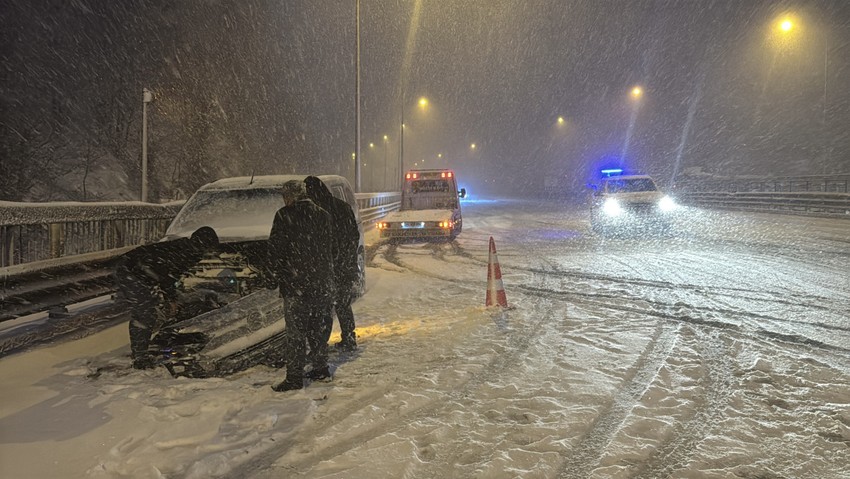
146	98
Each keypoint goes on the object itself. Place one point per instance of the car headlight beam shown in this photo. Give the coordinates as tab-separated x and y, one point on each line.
612	207
666	204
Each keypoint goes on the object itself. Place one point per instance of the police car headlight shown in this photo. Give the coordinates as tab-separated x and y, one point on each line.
666	204
612	207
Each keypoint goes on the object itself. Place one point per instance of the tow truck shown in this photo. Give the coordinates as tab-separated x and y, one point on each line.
430	207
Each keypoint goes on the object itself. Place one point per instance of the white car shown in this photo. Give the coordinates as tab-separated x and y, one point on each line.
241	211
234	320
628	203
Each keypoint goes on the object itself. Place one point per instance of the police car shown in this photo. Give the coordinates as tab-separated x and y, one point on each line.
623	203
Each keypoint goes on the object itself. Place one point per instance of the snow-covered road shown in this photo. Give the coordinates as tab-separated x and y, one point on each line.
721	351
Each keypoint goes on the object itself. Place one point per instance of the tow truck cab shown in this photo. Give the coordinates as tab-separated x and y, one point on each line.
430	207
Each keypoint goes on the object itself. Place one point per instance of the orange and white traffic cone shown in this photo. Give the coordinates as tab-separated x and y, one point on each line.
495	288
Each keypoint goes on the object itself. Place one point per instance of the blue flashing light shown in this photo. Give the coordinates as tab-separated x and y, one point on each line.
611	171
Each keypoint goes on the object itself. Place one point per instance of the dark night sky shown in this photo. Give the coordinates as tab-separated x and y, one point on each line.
499	73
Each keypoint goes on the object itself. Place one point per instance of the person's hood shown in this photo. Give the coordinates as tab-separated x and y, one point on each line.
318	191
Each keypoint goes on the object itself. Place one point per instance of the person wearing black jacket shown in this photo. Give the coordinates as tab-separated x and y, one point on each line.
346	271
147	278
301	249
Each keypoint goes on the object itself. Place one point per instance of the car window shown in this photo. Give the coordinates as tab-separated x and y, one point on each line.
631	185
232	208
430	186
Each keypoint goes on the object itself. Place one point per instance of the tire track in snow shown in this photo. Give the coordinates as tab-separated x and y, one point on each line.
717	384
813	301
699	315
513	351
584	456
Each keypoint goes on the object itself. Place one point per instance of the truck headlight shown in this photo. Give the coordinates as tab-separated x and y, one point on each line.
666	204
612	207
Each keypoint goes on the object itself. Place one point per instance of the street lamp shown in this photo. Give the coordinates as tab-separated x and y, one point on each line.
386	161
785	25
372	181
472	146
636	93
147	97
357	98
423	104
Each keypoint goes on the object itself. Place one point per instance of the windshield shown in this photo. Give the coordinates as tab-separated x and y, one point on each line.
630	185
234	214
429	186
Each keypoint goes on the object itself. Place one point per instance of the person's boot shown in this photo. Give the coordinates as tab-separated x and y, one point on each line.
144	361
348	343
291	383
317	374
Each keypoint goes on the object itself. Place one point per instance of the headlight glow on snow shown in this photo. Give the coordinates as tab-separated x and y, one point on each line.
666	204
611	207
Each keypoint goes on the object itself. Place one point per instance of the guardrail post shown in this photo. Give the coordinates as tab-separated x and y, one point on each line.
56	240
5	246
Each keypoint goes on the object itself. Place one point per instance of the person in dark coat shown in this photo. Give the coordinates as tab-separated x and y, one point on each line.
147	279
301	253
346	269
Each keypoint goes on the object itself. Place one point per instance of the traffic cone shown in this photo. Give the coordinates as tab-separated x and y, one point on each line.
495	288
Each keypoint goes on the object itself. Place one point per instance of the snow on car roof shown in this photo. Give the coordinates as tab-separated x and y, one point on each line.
266	181
627	177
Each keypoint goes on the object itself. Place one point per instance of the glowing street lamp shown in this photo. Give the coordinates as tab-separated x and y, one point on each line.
786	25
472	146
561	120
423	105
637	92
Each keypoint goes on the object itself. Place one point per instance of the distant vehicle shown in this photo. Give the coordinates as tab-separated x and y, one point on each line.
430	208
624	203
230	319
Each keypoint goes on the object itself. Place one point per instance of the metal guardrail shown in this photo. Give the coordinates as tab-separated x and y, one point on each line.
33	232
376	205
779	184
47	246
802	203
37	232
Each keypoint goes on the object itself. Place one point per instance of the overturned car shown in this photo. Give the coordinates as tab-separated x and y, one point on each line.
221	314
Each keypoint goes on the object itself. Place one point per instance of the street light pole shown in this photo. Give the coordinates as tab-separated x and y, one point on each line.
386	161
357	107
146	98
823	119
401	146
